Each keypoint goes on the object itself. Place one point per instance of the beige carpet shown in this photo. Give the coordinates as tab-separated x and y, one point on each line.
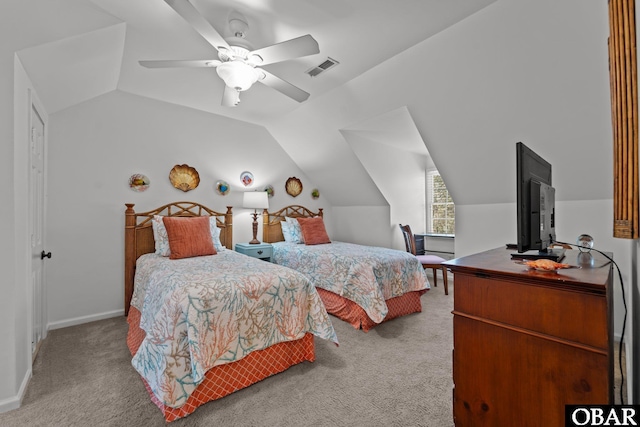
398	374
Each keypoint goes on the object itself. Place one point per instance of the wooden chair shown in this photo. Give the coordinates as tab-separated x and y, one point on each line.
433	262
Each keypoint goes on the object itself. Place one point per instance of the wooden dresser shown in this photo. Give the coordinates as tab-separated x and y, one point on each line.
526	342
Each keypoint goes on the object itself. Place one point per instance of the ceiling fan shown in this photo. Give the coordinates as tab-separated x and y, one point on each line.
237	63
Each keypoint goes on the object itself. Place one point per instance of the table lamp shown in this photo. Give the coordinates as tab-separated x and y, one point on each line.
255	200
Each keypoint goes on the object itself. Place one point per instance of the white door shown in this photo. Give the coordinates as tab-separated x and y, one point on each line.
36	225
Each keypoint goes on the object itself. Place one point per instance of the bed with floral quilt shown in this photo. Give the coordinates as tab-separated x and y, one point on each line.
363	285
204	323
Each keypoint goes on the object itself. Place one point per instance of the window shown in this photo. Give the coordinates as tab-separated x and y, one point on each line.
441	210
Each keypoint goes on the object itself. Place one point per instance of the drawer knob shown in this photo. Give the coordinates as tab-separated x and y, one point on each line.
260	252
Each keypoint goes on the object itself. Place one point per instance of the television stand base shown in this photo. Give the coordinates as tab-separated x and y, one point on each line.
556	255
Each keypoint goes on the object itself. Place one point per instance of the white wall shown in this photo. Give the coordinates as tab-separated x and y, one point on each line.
96	146
400	177
14	371
361	224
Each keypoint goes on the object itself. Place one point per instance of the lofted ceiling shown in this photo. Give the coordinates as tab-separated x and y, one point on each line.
359	34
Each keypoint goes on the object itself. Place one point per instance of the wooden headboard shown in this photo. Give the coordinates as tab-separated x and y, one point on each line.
138	235
271	230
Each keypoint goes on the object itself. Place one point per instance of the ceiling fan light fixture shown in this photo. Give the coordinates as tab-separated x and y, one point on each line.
238	59
237	74
230	97
255	59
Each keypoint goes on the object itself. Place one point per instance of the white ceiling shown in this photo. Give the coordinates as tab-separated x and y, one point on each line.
359	34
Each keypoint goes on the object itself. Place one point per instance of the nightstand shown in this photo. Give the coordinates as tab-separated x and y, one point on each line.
261	251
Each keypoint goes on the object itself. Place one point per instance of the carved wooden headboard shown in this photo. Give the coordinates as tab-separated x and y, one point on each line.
138	234
271	230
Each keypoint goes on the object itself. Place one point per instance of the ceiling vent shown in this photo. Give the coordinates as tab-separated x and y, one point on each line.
329	63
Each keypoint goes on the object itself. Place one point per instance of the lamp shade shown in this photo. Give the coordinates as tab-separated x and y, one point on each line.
255	200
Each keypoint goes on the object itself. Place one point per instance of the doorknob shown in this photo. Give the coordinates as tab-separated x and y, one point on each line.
44	255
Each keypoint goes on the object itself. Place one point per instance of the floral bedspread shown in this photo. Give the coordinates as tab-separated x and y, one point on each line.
206	311
366	275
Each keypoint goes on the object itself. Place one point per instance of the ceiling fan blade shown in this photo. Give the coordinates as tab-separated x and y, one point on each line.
177	63
230	97
294	48
197	21
284	87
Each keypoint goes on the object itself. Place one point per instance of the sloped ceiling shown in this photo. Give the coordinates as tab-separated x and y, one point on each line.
358	33
473	91
394	155
75	69
102	54
395	128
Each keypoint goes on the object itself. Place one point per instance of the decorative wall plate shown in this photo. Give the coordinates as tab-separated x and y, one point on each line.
269	190
139	182
222	187
184	177
247	178
315	193
293	186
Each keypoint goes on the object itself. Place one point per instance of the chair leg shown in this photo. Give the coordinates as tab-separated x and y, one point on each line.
435	278
444	277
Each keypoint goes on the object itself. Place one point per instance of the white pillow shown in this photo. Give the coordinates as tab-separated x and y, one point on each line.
286	232
294	229
215	234
160	236
162	240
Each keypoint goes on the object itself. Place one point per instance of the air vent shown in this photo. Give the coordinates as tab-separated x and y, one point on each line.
329	63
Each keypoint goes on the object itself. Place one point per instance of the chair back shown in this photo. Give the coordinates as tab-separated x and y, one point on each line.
409	240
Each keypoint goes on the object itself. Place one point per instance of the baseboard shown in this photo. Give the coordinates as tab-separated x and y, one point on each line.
12	403
84	319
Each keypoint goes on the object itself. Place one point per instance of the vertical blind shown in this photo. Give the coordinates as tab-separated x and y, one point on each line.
624	111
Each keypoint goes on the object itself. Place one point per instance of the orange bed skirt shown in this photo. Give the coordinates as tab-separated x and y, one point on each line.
223	380
353	314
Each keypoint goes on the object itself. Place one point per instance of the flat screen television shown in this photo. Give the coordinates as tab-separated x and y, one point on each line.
535	199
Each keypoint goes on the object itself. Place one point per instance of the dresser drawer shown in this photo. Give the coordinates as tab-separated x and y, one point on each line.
566	314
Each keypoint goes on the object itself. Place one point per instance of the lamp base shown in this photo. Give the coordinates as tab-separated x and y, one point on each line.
255	240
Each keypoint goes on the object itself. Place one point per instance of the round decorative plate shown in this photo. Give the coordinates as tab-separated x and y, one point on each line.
269	190
184	177
139	182
247	178
222	187
293	186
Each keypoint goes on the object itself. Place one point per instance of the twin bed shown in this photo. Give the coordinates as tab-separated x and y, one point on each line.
204	326
362	285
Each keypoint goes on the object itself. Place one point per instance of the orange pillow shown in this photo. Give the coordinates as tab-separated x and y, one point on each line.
189	237
313	231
